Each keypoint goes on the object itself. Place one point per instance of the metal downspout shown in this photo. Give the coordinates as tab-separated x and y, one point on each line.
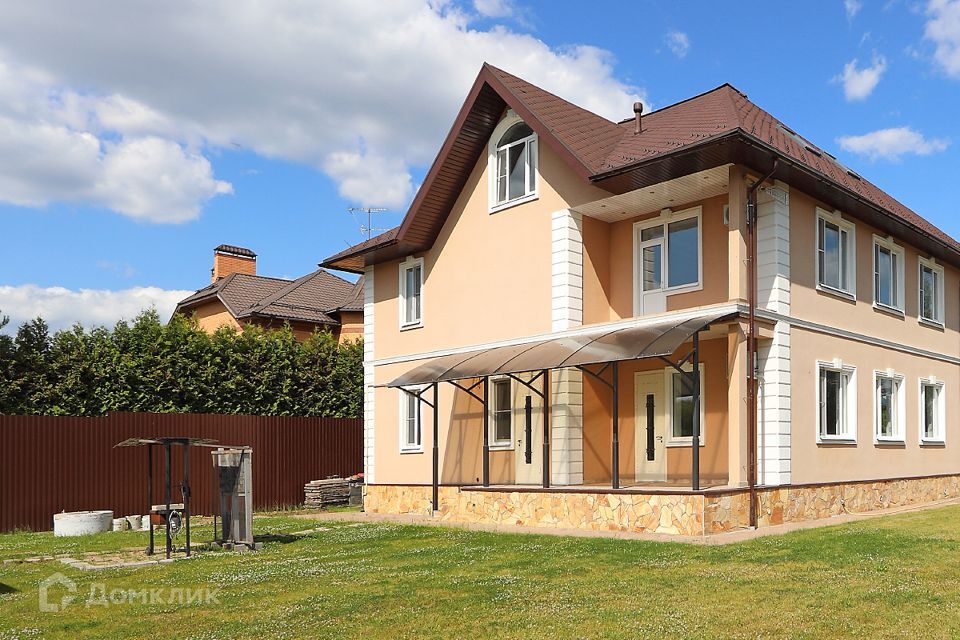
752	357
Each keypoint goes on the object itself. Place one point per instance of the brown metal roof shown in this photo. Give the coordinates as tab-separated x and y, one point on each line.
582	348
310	298
714	128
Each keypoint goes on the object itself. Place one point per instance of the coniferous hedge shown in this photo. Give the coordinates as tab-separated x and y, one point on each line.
177	368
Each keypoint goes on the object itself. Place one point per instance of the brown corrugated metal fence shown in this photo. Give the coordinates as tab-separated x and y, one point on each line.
52	464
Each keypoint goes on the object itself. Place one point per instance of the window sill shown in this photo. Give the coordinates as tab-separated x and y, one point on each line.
892	311
850	442
932	442
849	296
407	451
889	442
410	327
512	203
504	446
933	324
673	444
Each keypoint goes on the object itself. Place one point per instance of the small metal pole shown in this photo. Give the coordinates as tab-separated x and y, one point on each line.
546	428
436	446
615	453
695	439
186	491
486	431
166	490
150	495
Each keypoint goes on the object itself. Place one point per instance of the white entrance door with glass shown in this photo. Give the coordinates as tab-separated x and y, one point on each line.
668	259
515	424
650	425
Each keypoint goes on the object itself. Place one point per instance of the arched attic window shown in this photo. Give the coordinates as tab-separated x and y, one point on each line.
513	163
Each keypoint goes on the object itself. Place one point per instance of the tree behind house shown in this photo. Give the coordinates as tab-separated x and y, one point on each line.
177	368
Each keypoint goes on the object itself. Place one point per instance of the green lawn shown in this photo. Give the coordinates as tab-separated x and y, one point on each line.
897	576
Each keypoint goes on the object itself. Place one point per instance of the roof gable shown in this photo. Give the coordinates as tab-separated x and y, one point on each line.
718	127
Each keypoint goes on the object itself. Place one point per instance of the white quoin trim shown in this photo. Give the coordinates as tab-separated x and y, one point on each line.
566	312
369	393
566	270
773	294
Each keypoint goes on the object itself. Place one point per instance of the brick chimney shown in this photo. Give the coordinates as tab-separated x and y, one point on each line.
229	259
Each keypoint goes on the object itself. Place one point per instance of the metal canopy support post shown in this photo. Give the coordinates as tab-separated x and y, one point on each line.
546	427
150	495
615	452
486	432
614	386
695	439
436	446
436	431
166	491
185	490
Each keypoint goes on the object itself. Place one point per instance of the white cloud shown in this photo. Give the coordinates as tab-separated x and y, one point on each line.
678	42
943	29
313	83
891	144
852	7
55	151
494	8
858	83
61	308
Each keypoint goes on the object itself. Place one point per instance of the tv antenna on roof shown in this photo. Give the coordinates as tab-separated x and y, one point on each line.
368	228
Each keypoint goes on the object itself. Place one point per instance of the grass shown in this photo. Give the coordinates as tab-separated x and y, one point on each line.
897	576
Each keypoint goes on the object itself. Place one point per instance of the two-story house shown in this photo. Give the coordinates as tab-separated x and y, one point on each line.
561	331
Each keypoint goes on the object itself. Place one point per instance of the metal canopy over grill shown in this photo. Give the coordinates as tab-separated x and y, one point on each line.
658	339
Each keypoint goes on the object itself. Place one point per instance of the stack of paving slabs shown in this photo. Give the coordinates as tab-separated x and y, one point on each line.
323	493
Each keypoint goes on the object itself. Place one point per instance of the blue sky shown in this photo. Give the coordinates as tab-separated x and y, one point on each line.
135	138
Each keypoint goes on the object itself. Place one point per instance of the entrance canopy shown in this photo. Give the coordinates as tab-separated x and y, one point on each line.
590	347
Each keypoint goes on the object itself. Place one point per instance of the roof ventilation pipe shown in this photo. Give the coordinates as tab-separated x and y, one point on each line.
637	111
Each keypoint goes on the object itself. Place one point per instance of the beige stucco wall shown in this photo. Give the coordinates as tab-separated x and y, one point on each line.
609	279
597	422
812	462
487	277
212	315
860	316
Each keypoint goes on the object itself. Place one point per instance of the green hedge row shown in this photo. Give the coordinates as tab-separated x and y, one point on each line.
177	368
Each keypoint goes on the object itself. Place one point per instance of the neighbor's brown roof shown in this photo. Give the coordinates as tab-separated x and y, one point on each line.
717	127
310	298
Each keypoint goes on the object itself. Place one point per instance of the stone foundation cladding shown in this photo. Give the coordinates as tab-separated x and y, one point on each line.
681	513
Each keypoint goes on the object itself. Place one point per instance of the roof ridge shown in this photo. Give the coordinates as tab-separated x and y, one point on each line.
276	295
685	100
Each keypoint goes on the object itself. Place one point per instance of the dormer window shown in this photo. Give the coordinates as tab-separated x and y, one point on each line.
513	163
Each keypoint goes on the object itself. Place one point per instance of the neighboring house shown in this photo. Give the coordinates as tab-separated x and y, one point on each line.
238	297
551	254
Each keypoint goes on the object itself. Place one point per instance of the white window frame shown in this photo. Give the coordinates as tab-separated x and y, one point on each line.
937	269
940	437
837	219
685	441
533	153
898	276
406	265
665	219
850	397
500	445
899	414
405	446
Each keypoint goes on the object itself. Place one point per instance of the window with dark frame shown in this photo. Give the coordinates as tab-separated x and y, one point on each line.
502	411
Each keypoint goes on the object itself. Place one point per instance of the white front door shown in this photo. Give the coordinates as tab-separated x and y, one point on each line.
650	420
528	433
650	271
